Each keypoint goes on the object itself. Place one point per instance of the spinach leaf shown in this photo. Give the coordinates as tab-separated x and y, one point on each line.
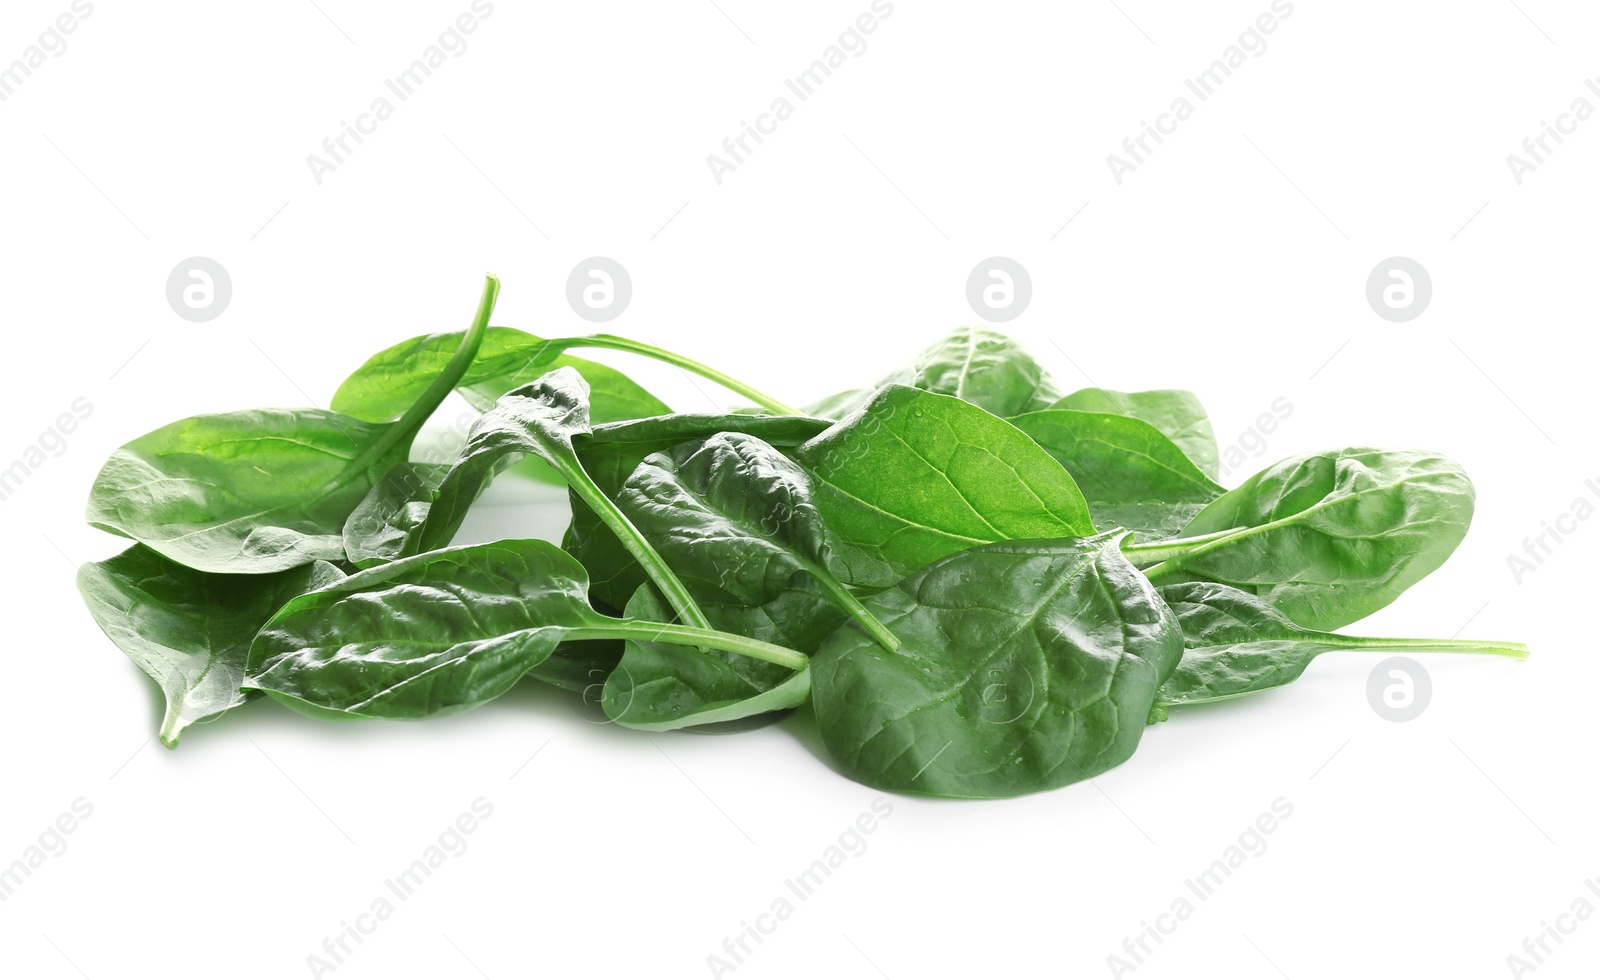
1178	414
611	453
613	397
388	522
976	364
446	630
541	419
661	687
1235	643
735	519
1024	666
267	490
389	379
1131	474
581	667
1328	537
913	476
190	631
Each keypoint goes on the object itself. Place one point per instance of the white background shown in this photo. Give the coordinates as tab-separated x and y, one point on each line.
1233	263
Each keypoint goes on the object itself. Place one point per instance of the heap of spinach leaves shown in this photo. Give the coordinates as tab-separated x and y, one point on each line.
985	587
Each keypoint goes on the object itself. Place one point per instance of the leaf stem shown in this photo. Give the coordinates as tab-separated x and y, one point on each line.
409	424
613	342
1497	648
672	587
1159	551
863	617
693	636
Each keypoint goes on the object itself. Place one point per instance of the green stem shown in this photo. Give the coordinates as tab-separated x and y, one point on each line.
612	342
1497	648
692	636
1158	551
411	422
860	613
672	587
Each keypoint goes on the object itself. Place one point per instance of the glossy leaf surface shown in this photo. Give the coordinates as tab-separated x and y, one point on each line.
914	476
975	363
266	490
663	686
1131	474
1331	537
1024	666
1177	414
734	518
189	630
1236	643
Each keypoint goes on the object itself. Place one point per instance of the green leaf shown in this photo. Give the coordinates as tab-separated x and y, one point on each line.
1132	475
542	419
381	387
261	491
1178	414
1329	537
734	518
446	630
388	522
660	687
427	634
189	630
613	397
1024	666
580	666
976	363
1235	644
914	476
611	453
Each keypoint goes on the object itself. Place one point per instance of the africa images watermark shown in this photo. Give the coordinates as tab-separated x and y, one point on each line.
1536	150
452	43
51	843
1252	43
52	43
52	443
1553	533
851	842
1252	442
1251	843
1538	948
450	843
851	43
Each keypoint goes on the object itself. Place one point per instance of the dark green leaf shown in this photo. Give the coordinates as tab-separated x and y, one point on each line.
439	631
1235	643
1024	666
661	686
611	453
1330	537
447	630
581	666
734	518
542	419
